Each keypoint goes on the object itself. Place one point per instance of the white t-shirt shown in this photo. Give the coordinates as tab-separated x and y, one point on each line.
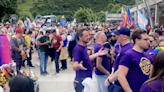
69	37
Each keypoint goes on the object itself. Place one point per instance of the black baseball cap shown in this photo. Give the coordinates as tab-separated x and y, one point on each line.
123	30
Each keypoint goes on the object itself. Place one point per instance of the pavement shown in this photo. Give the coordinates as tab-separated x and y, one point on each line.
51	83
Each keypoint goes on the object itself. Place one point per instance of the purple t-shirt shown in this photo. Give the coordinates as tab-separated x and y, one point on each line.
117	49
105	60
118	57
150	50
80	54
139	68
156	84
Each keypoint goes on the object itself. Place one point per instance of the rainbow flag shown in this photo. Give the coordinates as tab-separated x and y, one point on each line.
130	20
126	17
103	29
5	51
23	72
62	17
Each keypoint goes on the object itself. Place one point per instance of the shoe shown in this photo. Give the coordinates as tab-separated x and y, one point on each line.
57	74
46	73
61	69
43	74
31	66
64	69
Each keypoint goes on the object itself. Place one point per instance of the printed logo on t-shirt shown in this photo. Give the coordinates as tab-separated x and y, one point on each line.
20	42
54	41
145	65
118	54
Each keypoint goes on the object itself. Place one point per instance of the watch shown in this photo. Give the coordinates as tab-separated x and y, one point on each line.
109	80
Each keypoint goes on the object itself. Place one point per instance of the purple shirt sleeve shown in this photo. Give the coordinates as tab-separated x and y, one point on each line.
77	55
125	60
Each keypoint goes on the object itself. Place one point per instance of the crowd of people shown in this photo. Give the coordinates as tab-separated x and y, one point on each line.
120	58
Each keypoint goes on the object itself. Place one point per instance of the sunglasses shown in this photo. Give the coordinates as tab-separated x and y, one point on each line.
151	41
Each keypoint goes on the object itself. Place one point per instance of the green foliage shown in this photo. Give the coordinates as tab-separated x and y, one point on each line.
115	8
32	8
101	16
119	10
59	17
84	14
110	7
7	7
23	16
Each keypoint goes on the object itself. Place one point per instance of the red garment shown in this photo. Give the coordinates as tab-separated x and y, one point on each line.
56	42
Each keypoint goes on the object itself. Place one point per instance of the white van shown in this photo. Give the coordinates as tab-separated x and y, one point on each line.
47	19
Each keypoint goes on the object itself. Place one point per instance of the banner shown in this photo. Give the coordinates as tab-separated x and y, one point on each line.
63	21
5	51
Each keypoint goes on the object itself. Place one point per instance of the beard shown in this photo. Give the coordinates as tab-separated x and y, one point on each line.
85	41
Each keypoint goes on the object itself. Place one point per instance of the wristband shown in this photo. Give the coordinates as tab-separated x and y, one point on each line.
109	80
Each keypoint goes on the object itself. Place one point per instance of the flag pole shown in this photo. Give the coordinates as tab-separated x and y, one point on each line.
149	12
136	4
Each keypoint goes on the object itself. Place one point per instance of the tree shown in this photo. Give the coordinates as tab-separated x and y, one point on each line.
101	16
84	14
110	7
7	7
115	8
119	10
59	17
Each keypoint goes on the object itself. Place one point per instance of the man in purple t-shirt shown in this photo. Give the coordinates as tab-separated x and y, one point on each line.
102	64
135	64
82	61
123	37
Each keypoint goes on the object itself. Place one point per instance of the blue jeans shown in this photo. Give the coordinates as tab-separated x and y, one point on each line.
78	84
37	47
43	60
18	65
57	54
100	82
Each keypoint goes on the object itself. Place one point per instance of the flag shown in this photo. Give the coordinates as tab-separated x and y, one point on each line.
103	29
23	72
63	21
125	17
130	20
122	15
142	21
5	51
63	17
29	22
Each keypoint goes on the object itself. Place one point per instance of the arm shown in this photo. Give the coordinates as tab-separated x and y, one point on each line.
77	66
99	53
100	67
123	71
61	45
89	43
112	78
45	43
92	57
151	71
13	46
